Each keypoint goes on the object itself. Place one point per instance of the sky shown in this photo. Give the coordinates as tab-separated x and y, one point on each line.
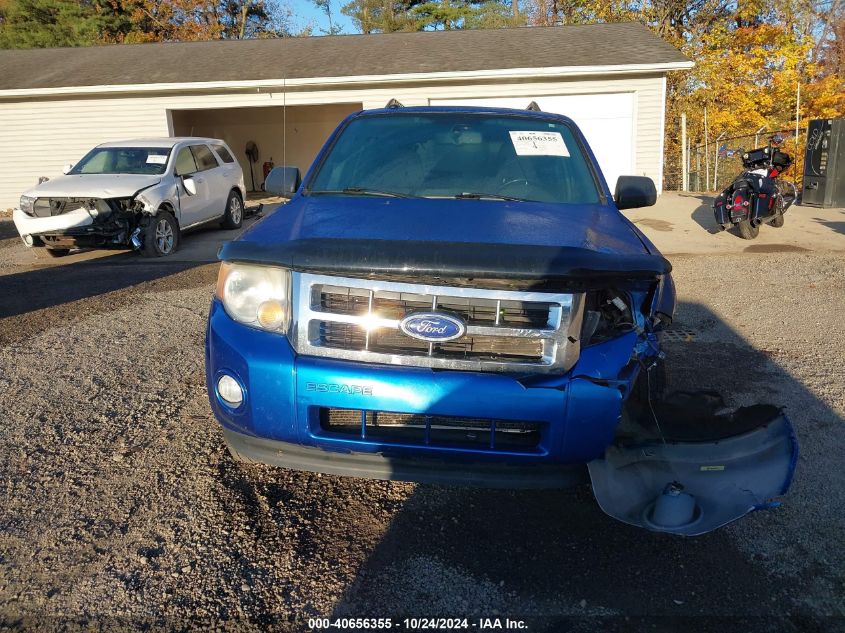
304	12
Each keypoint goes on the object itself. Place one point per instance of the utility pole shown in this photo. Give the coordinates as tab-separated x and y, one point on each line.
706	150
515	8
797	116
244	15
716	166
698	170
689	159
684	155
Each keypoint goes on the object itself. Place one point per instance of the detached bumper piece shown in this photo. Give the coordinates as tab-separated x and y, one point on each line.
689	487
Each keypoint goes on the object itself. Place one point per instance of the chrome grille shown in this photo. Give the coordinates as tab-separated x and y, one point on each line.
387	341
358	319
395	305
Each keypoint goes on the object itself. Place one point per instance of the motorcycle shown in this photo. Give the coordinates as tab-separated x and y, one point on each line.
758	195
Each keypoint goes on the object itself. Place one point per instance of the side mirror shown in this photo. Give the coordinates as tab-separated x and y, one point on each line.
633	192
190	185
283	181
66	169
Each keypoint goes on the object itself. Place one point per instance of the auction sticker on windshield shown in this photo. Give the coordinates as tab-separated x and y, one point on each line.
539	144
156	159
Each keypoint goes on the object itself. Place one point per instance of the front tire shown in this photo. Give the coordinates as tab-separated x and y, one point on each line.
778	220
234	216
161	235
748	231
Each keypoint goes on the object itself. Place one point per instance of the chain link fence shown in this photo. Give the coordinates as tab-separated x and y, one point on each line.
713	167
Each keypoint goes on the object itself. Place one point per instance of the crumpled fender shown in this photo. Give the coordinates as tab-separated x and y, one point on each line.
690	488
154	196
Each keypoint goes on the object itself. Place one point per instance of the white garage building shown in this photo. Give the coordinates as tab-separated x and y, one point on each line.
287	95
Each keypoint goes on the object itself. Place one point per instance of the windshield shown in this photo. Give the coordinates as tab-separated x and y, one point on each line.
124	160
457	155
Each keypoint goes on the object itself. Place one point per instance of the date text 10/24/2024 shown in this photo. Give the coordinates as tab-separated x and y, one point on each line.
417	624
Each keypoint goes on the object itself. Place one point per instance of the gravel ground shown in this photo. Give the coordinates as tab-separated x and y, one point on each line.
123	510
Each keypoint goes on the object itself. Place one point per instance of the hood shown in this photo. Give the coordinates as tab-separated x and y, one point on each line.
93	186
593	227
460	238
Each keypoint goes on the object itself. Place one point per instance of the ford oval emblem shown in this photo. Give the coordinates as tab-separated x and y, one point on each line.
434	327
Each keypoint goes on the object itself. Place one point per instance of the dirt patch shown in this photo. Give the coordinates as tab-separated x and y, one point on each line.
775	248
657	225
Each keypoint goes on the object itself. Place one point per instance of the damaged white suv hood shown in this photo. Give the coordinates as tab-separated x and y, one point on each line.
93	186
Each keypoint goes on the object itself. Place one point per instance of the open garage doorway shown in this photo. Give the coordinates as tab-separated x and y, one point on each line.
307	129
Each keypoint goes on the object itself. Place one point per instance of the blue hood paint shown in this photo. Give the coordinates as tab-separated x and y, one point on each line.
594	227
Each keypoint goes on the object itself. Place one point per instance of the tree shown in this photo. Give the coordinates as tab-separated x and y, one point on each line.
41	23
829	51
386	16
463	15
185	20
750	56
326	7
748	68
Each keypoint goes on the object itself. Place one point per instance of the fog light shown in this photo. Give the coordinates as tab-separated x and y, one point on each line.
272	314
27	239
230	390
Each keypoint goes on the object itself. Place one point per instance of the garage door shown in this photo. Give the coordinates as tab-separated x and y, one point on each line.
607	120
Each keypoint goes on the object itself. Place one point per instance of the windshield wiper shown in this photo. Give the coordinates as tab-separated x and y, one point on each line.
487	196
363	191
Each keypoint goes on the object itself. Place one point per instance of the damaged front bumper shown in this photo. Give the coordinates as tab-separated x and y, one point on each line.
71	221
689	487
104	224
319	414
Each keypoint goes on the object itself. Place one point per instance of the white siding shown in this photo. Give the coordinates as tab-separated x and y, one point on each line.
38	136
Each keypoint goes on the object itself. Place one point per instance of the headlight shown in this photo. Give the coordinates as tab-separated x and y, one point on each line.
258	296
26	204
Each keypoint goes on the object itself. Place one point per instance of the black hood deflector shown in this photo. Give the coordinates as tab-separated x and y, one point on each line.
454	259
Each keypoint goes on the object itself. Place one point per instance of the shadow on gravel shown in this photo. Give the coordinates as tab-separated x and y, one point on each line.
703	214
41	288
839	227
56	282
7	229
554	558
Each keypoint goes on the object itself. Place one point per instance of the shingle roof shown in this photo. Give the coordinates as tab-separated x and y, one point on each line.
338	56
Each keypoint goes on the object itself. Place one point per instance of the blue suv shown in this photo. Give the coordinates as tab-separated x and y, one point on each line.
452	296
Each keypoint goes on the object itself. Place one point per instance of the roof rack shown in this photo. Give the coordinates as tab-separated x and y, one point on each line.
393	104
533	107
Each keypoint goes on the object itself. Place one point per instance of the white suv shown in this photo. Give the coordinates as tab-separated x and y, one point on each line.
139	193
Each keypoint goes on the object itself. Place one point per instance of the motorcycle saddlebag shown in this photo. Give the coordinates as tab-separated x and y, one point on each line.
763	202
741	201
719	209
